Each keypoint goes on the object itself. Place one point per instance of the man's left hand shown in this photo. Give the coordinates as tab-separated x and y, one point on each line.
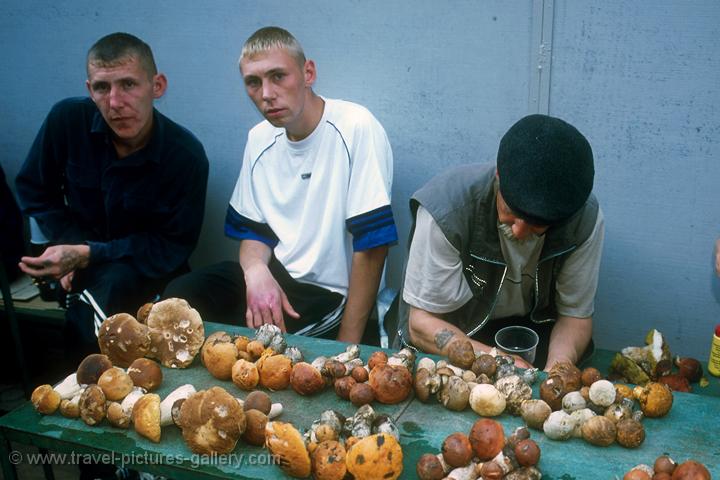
56	261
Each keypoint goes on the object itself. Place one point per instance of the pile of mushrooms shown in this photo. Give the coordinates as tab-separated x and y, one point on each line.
264	360
489	383
665	468
365	445
584	405
485	453
170	331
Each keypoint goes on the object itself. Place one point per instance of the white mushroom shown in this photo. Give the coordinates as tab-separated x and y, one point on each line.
573	401
602	393
69	387
426	363
579	417
468	472
559	425
129	401
352	351
183	391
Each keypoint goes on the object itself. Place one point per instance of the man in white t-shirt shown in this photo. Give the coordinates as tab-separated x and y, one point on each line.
311	207
517	242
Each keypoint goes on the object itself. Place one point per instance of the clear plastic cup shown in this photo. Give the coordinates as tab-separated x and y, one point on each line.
518	340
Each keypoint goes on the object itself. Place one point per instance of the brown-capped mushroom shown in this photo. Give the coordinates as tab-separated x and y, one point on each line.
212	421
390	384
286	444
70	407
655	399
429	467
534	412
123	339
145	373
377	358
343	386
552	391
691	470
630	433
456	450
92	405
166	405
454	394
306	379
176	332
590	375
461	353
361	394
527	452
255	422
375	456
91	368
360	374
689	368
116	416
599	430
143	312
45	399
487	438
146	416
115	383
274	371
245	374
515	392
218	354
570	374
258	400
664	464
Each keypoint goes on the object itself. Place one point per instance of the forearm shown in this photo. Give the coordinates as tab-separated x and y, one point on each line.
432	334
254	254
365	275
568	340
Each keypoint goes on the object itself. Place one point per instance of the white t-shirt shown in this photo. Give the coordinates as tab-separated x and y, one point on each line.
434	279
317	200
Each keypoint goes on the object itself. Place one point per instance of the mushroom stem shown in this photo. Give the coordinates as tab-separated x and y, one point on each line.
445	466
69	387
183	391
404	357
129	401
319	362
351	352
276	409
468	472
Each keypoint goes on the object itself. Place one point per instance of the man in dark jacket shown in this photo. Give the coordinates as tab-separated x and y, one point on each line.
116	187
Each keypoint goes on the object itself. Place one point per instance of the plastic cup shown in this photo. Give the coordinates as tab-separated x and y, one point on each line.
517	340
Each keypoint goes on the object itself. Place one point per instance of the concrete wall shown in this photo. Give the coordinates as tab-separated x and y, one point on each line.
446	79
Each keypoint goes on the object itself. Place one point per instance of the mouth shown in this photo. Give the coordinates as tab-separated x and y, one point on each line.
274	112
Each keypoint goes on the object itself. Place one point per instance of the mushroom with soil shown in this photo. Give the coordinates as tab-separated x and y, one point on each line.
176	332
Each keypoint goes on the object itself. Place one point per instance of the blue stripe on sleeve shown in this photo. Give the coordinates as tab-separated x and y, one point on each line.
372	229
242	228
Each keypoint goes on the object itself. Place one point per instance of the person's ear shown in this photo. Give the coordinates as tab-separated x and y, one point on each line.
160	84
310	72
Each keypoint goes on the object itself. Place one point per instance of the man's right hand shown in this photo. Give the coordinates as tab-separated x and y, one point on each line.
266	301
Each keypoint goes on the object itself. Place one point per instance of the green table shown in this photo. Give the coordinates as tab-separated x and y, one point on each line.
689	431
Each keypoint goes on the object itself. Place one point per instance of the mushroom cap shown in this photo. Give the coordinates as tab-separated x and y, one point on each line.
115	383
45	399
145	373
123	339
287	445
486	400
212	421
70	407
456	450
143	312
117	416
328	461
630	433
176	332
378	357
487	438
599	430
343	386
146	416
92	405
91	367
306	379
391	383
255	422
655	399
258	400
361	394
245	374
461	353
375	456
274	371
219	354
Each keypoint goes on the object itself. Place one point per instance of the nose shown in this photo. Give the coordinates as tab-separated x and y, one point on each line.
520	229
268	92
115	98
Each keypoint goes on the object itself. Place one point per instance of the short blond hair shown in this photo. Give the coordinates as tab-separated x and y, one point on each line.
268	38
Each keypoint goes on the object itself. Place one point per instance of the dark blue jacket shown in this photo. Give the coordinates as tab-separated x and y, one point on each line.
145	209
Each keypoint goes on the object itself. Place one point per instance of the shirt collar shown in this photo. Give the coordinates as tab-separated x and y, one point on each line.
149	152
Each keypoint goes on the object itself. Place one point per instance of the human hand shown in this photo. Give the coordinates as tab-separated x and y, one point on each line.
56	261
266	301
521	362
66	281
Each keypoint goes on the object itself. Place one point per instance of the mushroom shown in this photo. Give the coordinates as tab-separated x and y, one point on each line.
245	374
343	386
590	375
294	354
274	371
255	422
123	339
182	392
391	383
212	421
578	418
484	364
176	332
619	411
69	387
219	354
45	399
306	379
146	416
360	374
599	430
258	400
461	353
143	312
117	416
552	391
487	401
655	399
328	461
630	433
426	384
527	452
361	394
534	412
602	393
691	470
487	438
468	472
524	473
573	401
689	368
129	401
384	424
92	405
427	363
360	424
456	450
375	456
377	358
351	352
145	373
265	333
91	368
286	445
664	464
515	392
70	407
429	467
115	383
454	394
570	374
559	425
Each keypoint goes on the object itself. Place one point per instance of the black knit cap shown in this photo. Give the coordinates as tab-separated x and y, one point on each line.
546	169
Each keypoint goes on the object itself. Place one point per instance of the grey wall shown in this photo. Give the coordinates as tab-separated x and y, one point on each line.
446	79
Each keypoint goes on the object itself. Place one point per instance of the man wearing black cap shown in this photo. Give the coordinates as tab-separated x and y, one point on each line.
517	243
